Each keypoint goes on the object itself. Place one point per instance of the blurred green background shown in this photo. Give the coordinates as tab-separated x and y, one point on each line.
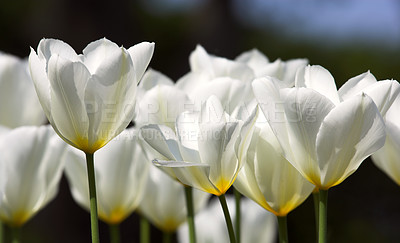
346	37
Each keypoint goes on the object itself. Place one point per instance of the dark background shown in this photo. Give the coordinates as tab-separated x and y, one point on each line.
364	208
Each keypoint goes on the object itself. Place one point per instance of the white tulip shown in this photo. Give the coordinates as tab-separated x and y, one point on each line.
19	104
268	178
202	152
31	167
230	80
324	138
121	173
88	98
164	201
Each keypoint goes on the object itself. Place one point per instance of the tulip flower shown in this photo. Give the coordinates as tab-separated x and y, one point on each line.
230	80
270	180
161	103
89	98
123	165
19	104
31	167
164	202
388	157
202	153
324	137
258	225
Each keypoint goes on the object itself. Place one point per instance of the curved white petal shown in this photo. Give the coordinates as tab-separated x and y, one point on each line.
383	93
37	68
305	109
229	91
356	84
141	55
161	105
387	158
19	104
191	174
68	82
31	170
49	47
351	132
319	79
152	78
163	140
254	59
283	187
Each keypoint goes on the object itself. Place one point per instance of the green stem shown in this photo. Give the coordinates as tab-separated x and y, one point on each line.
316	211
115	236
238	217
144	230
93	198
322	219
190	214
1	232
15	234
228	219
167	237
283	233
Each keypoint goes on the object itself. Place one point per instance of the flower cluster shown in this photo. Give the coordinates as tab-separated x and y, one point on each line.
272	132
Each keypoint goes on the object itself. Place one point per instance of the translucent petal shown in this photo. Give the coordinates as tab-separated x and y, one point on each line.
351	132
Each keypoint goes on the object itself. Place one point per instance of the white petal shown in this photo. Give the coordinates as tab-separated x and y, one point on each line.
383	93
161	105
268	95
19	104
356	84
283	187
349	133
121	164
76	172
110	93
141	55
305	110
387	158
97	53
163	140
254	59
191	174
319	79
50	47
38	73
151	78
199	60
229	91
29	158
68	81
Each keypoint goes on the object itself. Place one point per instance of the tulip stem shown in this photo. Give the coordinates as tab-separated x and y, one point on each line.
92	197
167	237
190	214
238	214
282	228
322	219
115	236
316	211
144	230
15	234
228	219
1	232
